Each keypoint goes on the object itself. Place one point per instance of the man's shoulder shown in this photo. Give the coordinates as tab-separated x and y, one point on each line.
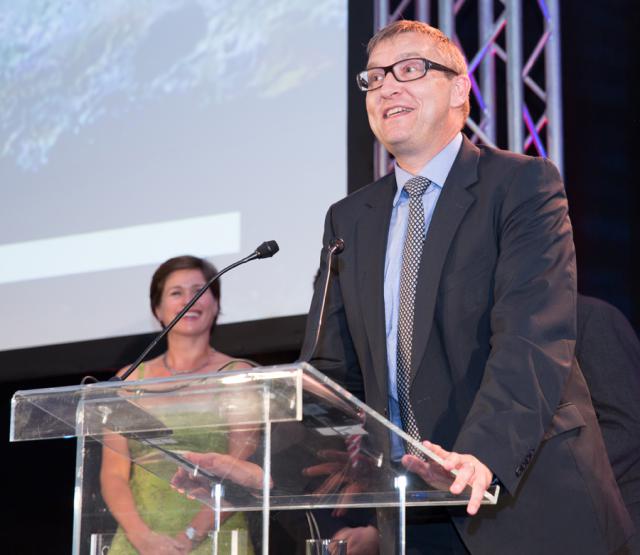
508	158
369	194
506	167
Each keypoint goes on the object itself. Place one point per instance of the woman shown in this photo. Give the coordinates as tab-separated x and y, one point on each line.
133	494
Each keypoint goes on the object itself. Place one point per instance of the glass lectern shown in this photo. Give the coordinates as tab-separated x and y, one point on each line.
309	444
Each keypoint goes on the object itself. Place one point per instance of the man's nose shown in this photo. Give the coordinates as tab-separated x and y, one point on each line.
390	84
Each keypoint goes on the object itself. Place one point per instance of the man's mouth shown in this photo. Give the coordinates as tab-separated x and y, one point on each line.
395	111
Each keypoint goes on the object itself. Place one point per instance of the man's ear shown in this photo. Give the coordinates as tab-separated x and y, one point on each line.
460	90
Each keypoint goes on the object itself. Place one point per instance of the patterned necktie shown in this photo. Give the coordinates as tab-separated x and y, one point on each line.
411	255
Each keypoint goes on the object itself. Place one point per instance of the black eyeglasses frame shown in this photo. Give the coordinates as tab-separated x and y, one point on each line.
428	65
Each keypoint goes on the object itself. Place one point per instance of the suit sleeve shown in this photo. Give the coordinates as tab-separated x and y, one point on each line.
533	325
334	354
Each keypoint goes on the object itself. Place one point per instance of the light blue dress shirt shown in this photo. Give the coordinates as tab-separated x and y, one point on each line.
436	170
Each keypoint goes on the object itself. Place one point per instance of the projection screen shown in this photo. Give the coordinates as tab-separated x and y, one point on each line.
131	132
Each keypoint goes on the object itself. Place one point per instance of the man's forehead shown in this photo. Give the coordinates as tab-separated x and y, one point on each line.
399	47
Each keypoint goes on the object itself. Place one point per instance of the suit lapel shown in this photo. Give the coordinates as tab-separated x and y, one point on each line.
372	231
453	203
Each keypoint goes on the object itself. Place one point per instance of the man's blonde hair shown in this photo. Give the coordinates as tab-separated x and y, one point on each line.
451	54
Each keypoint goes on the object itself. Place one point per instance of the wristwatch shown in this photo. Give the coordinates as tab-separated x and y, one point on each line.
191	534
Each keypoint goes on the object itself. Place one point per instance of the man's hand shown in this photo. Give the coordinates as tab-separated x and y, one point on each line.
470	472
362	540
346	475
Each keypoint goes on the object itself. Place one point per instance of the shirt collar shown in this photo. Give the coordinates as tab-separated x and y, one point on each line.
436	170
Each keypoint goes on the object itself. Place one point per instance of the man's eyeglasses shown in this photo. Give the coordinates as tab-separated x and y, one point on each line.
404	70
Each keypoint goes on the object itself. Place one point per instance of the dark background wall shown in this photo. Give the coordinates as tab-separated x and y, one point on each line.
602	137
599	50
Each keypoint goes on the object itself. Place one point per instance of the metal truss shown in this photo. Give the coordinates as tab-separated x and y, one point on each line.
533	112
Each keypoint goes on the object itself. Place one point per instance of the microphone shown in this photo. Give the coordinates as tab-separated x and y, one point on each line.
265	250
336	246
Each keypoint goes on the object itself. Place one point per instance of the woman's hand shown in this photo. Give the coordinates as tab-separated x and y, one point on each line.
241	472
152	543
185	542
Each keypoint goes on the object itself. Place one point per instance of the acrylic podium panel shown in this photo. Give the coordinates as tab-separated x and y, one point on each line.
253	441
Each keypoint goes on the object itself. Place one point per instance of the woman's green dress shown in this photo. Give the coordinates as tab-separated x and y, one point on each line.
164	509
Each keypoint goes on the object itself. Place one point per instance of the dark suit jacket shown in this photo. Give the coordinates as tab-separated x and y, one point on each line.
608	351
493	360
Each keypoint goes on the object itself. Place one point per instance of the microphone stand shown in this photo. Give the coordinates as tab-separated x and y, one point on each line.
265	250
336	246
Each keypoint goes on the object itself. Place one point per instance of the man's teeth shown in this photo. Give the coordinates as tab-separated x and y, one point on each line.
395	111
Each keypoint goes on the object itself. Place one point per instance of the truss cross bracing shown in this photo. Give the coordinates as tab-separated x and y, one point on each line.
530	82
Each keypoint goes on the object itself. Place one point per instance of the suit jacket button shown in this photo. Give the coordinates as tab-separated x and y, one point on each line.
519	470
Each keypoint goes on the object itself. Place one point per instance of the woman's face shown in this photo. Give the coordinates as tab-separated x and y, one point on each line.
179	288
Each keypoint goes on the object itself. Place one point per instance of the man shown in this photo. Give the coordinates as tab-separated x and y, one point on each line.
452	312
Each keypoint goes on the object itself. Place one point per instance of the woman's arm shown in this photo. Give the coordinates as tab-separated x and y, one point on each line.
243	443
114	481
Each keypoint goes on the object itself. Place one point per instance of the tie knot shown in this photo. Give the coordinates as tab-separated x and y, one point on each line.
416	186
